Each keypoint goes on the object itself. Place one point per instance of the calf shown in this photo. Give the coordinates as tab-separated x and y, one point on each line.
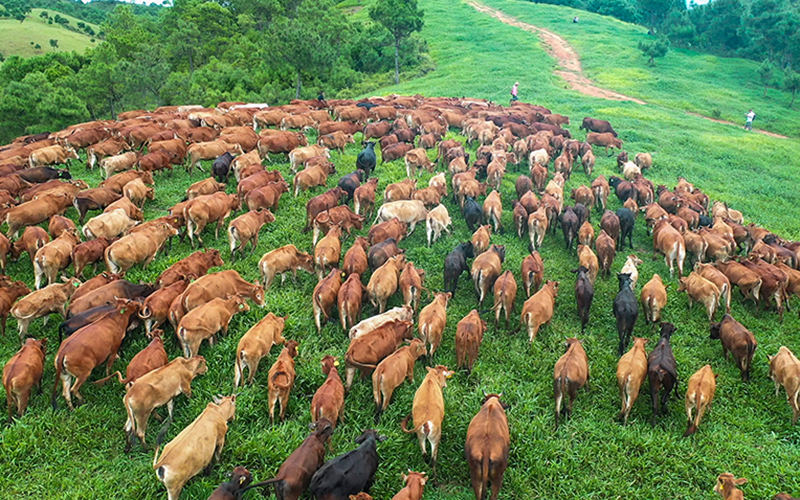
245	228
532	272
726	487
205	321
571	373
469	336
41	303
89	252
486	268
538	309
328	401
382	252
148	359
391	372
626	223
428	411
385	281
22	372
487	447
350	473
410	283
349	299
661	370
702	290
626	310
738	340
58	224
455	264
240	478
281	379
355	259
654	299
325	296
294	475
255	344
156	388
281	261
195	447
584	295
784	370
631	372
699	394
437	220
473	213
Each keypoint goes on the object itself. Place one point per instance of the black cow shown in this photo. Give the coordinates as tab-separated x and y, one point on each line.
705	221
582	212
351	473
455	264
473	213
39	175
569	226
662	370
383	251
626	310
75	323
232	490
366	159
367	105
624	189
350	182
584	294
221	167
600	126
626	222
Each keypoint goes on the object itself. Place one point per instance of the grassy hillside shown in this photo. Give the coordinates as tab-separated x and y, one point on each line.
747	431
16	38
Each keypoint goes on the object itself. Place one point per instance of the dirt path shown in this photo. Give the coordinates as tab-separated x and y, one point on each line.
571	70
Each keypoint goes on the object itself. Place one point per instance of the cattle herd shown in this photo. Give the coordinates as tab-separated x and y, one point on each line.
237	139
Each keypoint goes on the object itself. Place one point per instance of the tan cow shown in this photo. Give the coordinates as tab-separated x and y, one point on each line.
36	211
726	487
349	300
409	211
469	336
328	251
410	283
325	296
403	313
432	320
157	388
505	294
54	257
41	303
571	373
299	155
654	299
532	272
328	400
108	225
391	372
281	261
364	196
537	227
22	372
481	239
255	344
699	394
716	276
195	447
416	160
486	268
588	259
437	220
140	247
385	281
312	176
208	209
119	163
399	191
701	290
630	267
631	372
245	228
669	242
784	370
209	151
206	321
538	309
281	379
355	259
51	155
428	410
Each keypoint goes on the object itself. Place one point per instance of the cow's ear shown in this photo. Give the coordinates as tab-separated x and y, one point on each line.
740	481
429	369
382	438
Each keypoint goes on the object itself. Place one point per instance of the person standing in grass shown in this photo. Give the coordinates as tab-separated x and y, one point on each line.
514	92
748	123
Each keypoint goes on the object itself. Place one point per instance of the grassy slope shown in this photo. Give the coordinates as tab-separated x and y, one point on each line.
748	431
16	38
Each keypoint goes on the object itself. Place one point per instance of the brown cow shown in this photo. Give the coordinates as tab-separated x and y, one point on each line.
280	142
385	281
487	447
205	321
701	290
586	234
350	297
699	394
784	369
654	299
90	252
313	176
391	372
209	151
195	447
208	209
416	160
9	293
337	216
245	228
218	285
36	211
281	379
322	202
196	264
601	190
538	309
257	180
392	228
54	257
532	272
486	268
140	247
132	210
157	387
58	224
328	251
369	349
631	372
108	225
606	140
281	261
355	259
299	155
364	196
256	344
41	303
571	373
428	410
51	155
22	372
325	296
117	182
410	284
33	238
89	347
155	308
328	401
204	187
469	336
669	242
400	190
738	340
432	320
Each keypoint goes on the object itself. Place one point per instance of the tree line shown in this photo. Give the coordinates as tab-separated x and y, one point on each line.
201	52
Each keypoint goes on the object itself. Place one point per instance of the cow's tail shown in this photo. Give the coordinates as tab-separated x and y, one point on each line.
404	425
59	369
280	381
486	465
238	368
38	269
110	265
232	237
115	374
87	232
651	303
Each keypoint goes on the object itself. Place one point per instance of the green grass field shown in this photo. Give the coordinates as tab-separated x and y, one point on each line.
748	430
16	37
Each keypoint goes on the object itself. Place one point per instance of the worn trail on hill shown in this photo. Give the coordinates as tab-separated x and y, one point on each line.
571	70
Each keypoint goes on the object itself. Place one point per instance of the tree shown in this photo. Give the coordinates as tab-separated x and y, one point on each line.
43	14
766	72
653	49
791	83
125	31
54	43
400	18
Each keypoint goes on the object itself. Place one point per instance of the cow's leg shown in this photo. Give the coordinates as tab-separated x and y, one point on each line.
109	362
252	366
79	380
284	404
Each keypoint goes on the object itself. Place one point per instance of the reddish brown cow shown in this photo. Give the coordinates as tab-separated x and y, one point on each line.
325	296
349	300
208	209
325	201
487	447
155	308
23	371
245	228
469	336
148	359
364	196
196	264
328	401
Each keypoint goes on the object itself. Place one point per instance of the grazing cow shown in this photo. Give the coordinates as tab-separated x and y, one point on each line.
196	264
349	300
726	487
661	370
399	190
364	196
108	225
266	196
393	229
325	296
51	155
669	242
36	211
133	211
532	272
410	283
538	309
340	216
571	373
570	224
644	160
414	486
84	300
299	155
595	125
584	294
626	222
355	259
416	160
738	340
701	290
195	447
699	394
336	141
631	372
33	238
486	268
245	228
654	299
469	336
348	474
9	293
428	411
487	447
54	257
204	187
403	313
328	401
366	159
320	203
209	151
257	180
255	344
382	252
22	372
350	182
157	387
281	379
140	247
205	321
368	349
606	140
41	303
312	176
391	372
294	475
626	310
217	285
784	369
455	264
384	282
